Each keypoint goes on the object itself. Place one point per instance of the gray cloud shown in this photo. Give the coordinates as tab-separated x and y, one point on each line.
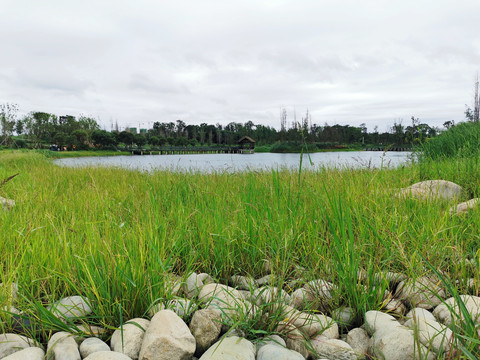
217	61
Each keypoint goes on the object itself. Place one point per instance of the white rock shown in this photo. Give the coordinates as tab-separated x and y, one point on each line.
71	307
464	207
272	351
230	348
333	349
91	330
449	310
391	340
181	307
225	299
6	204
270	340
432	334
302	299
358	339
344	316
322	291
242	282
107	355
192	286
167	338
11	343
268	294
30	353
433	189
265	280
420	314
128	339
91	345
424	292
62	346
311	324
205	278
395	307
205	326
295	340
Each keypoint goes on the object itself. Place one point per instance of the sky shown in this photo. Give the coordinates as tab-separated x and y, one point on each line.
217	61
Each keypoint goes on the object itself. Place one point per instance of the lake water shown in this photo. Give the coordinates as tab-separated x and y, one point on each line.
239	162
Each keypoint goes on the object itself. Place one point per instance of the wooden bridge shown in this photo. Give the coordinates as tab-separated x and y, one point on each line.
389	148
184	150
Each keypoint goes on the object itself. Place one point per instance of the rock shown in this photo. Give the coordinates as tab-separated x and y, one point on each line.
311	324
173	284
395	307
303	299
392	278
107	355
432	190
62	346
230	348
91	330
11	343
167	337
128	339
420	314
344	316
30	353
266	267
6	204
443	312
272	351
205	278
423	292
205	326
391	340
464	207
224	299
333	349
268	294
358	339
92	345
265	280
295	340
432	334
323	291
71	307
242	282
181	307
272	339
192	285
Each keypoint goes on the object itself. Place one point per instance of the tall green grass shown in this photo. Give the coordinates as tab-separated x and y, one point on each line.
116	236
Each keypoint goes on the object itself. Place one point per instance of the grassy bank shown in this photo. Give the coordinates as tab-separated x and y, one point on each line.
114	235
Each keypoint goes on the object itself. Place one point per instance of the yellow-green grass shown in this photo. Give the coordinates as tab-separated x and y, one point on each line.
114	235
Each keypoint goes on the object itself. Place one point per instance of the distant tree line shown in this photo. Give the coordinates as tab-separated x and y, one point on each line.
41	129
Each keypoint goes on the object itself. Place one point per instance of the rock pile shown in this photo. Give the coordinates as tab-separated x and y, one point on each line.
203	324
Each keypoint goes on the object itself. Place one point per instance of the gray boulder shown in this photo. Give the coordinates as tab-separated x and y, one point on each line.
30	353
71	307
62	346
464	207
230	348
107	355
6	204
205	326
92	345
424	292
11	343
167	338
449	312
333	349
128	339
433	190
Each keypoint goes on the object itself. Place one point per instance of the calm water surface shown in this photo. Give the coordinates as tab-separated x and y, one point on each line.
240	162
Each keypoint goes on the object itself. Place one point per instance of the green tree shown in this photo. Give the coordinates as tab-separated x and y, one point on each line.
8	115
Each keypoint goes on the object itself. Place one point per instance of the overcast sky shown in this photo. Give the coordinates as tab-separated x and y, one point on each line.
217	61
